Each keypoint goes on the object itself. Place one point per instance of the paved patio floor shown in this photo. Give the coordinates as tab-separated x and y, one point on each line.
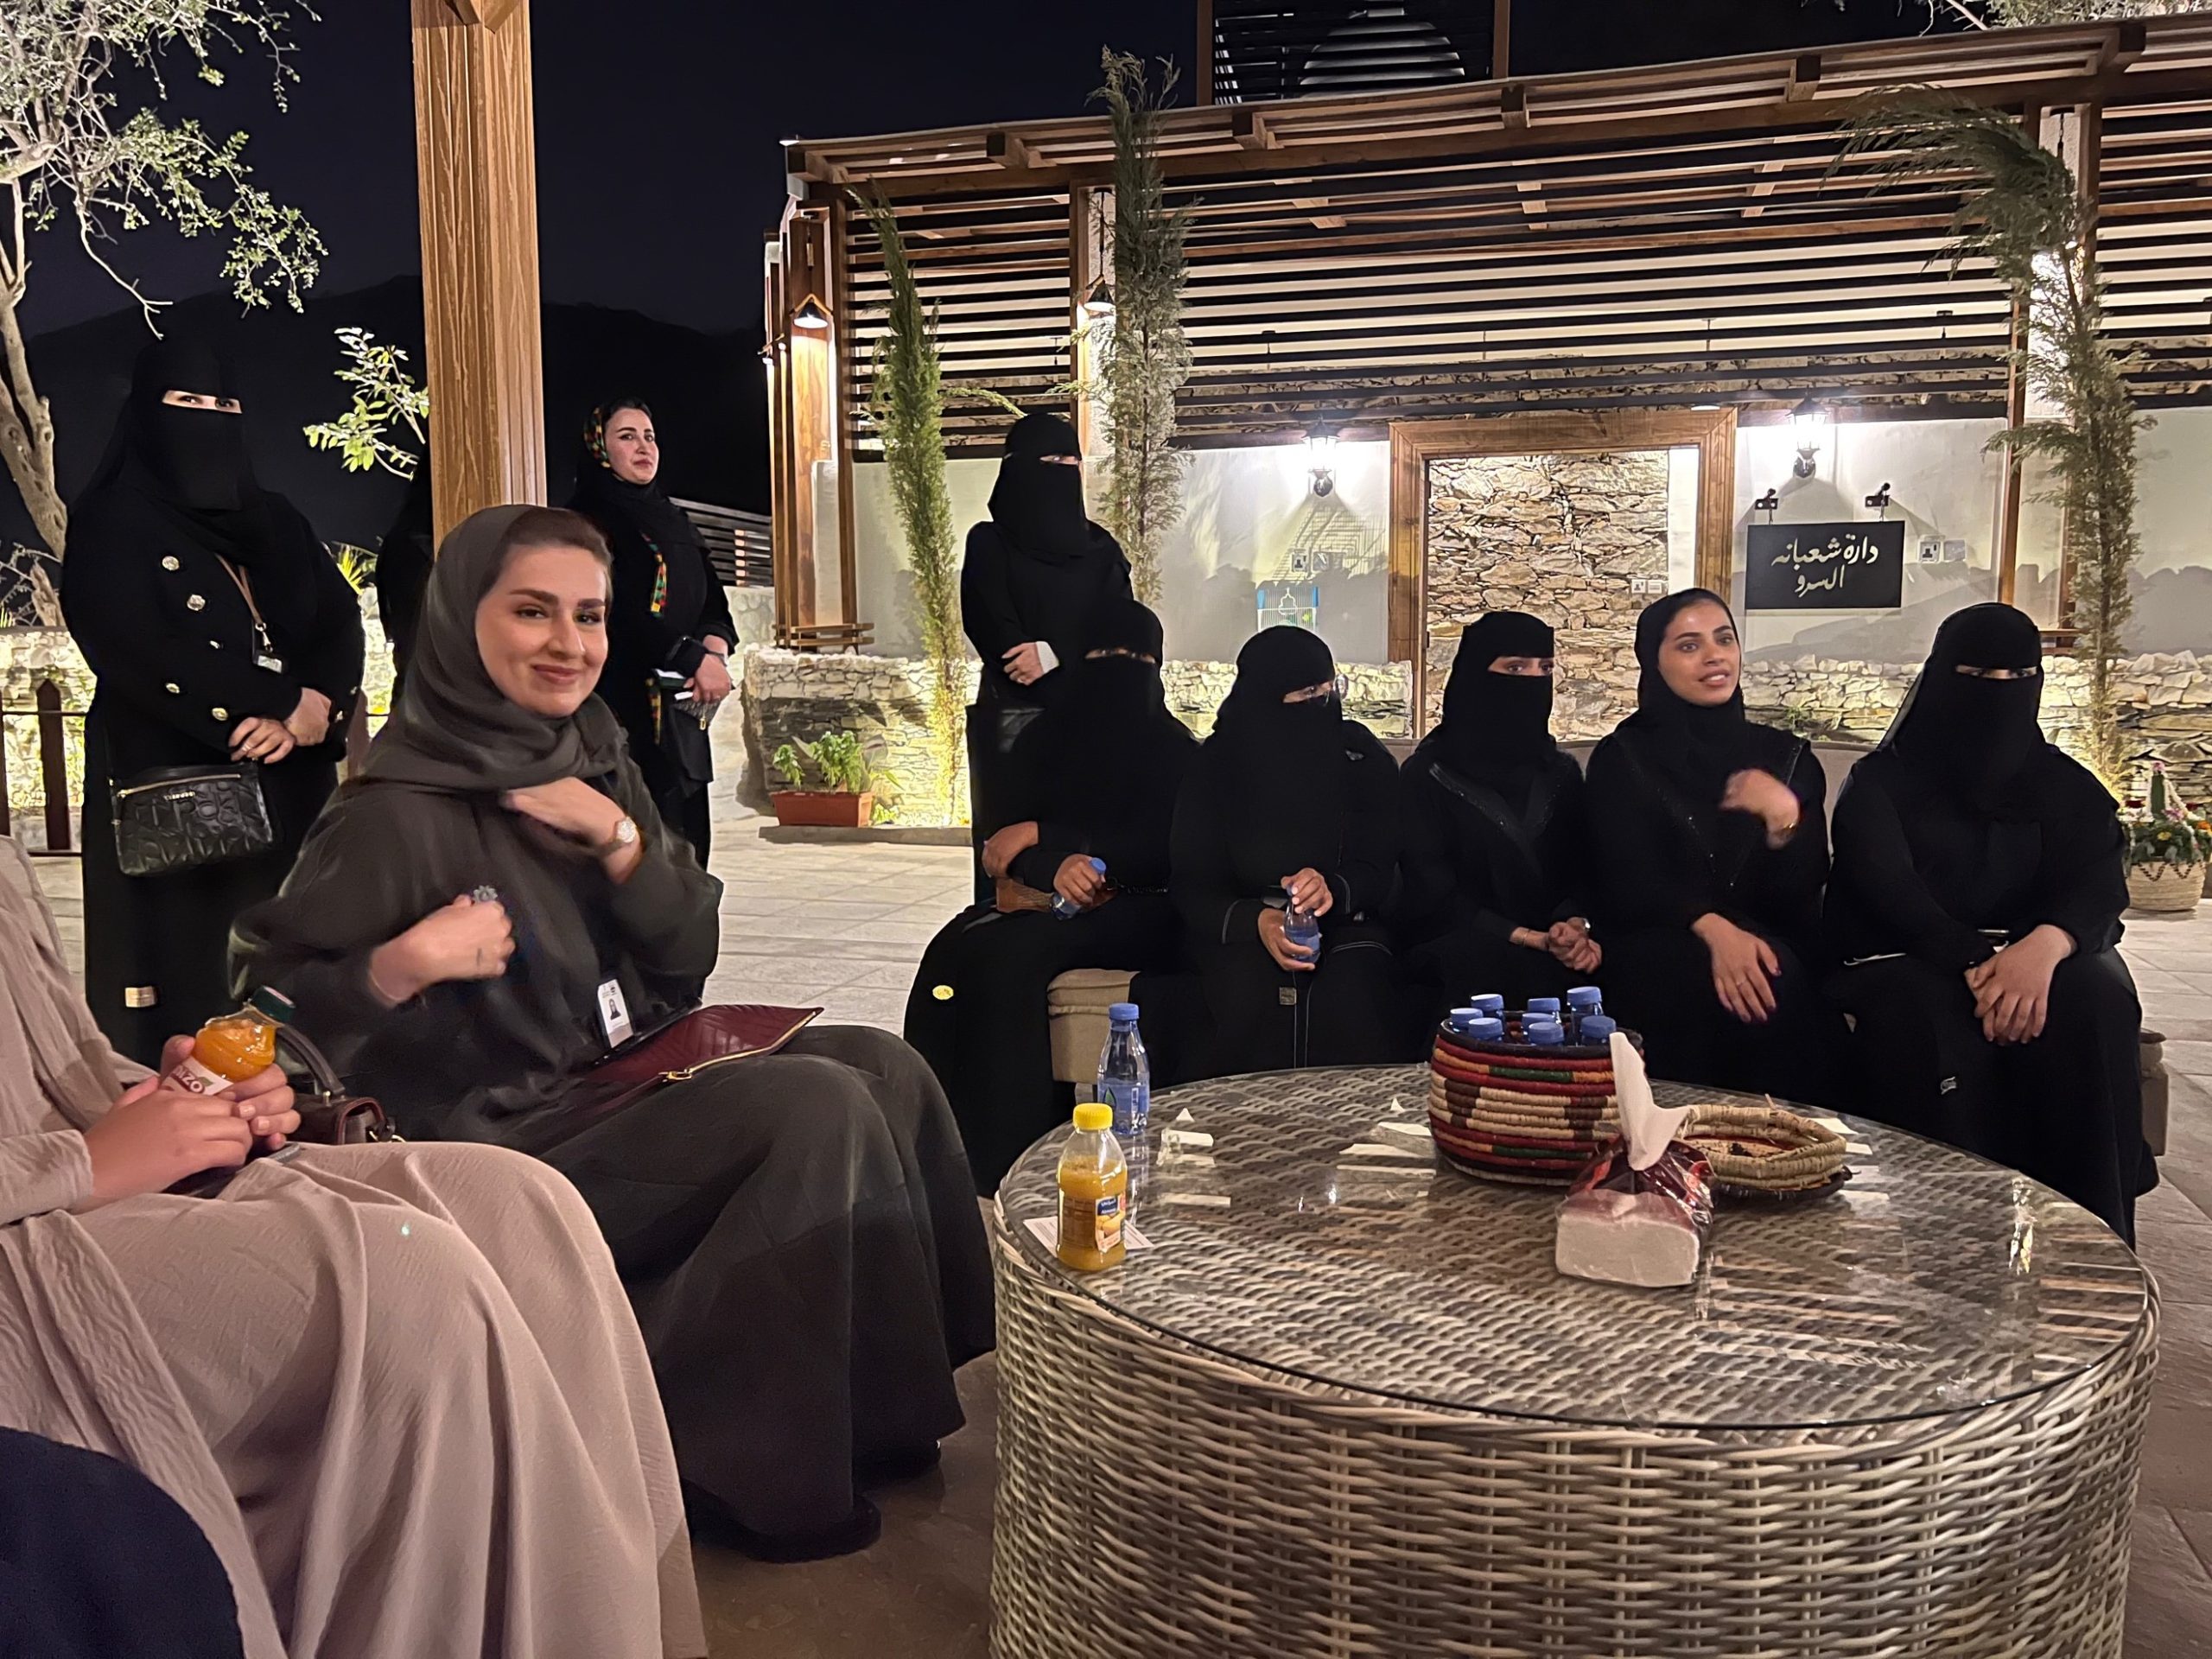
844	926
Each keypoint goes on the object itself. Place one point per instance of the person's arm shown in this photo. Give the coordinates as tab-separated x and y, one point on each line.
336	652
1874	867
116	613
1564	847
1647	881
987	608
1433	901
43	1173
715	622
2083	876
644	638
1366	878
1793	876
1205	888
667	909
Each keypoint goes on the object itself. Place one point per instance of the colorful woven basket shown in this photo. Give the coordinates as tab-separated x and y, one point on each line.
1512	1111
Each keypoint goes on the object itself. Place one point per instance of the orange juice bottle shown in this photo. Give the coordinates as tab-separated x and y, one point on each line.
1094	1181
232	1047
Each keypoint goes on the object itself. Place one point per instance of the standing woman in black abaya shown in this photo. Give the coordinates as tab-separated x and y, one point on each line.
219	631
1036	575
1979	876
1496	850
1290	804
1712	846
669	632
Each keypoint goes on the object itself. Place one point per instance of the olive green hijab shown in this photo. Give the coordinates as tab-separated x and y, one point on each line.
453	729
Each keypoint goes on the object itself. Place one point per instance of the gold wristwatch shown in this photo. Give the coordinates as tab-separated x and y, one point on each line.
625	835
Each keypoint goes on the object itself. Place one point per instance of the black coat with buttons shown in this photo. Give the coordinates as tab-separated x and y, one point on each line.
170	638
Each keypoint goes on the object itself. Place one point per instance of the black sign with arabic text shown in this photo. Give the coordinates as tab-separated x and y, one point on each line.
1825	567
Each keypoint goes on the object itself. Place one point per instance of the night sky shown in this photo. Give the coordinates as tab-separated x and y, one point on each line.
659	167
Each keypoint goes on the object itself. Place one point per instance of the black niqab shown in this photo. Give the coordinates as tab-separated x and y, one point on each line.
1038	504
1968	736
1496	728
1280	766
1696	748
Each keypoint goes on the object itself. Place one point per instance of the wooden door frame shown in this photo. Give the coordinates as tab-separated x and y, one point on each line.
1414	444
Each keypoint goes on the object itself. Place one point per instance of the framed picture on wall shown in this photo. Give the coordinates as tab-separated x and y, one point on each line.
1832	567
1290	604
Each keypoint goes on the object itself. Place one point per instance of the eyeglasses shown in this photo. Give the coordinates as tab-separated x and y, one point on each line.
1335	688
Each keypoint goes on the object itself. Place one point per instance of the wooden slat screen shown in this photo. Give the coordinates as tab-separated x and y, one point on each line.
2154	242
1265	50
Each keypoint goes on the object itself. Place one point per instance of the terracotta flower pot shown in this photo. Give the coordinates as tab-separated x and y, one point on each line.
822	808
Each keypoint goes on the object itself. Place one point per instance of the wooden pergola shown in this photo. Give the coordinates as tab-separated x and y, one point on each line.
1664	237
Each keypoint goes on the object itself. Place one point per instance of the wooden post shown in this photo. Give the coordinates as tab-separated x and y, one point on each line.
1204	89
1501	40
476	164
2007	550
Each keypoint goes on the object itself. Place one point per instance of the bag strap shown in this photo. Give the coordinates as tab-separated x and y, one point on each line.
333	1107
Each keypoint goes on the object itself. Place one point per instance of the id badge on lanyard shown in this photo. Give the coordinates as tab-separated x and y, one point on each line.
613	1013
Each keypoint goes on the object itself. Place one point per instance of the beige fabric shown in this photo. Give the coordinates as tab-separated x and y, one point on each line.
1077	1002
399	1387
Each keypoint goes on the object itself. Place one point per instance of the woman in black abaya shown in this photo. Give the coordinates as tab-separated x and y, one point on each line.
1036	574
669	633
1288	803
1979	876
1095	776
1496	849
1711	840
219	631
798	1230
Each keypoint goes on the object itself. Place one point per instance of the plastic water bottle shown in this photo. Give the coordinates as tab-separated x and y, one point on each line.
1583	1002
1544	1034
1492	1004
1066	910
1595	1028
1125	1076
1544	1007
1484	1030
1303	927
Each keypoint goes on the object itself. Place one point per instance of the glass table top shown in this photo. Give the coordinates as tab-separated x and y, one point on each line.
1318	1235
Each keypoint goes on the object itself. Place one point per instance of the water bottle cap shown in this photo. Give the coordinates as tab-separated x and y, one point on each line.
1597	1027
272	1004
1543	1005
1461	1016
1099	865
1488	1002
1094	1116
1487	1031
1583	996
1122	1013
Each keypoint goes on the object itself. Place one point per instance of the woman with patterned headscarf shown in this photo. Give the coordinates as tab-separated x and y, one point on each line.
669	629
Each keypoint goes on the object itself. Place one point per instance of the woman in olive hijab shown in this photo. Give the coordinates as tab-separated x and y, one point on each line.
798	1230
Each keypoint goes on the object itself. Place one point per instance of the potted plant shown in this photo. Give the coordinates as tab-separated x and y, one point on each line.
2168	847
828	783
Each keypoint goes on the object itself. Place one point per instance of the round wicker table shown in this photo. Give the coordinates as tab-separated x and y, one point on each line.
1346	1405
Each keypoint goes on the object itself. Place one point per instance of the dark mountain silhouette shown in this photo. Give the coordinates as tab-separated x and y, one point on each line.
707	392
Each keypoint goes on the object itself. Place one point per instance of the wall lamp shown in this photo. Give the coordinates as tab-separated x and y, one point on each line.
811	314
1811	419
1321	458
1098	299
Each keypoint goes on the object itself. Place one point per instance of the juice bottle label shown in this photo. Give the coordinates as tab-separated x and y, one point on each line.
1106	1224
190	1074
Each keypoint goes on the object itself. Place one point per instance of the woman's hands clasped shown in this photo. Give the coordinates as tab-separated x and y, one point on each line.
156	1135
2012	989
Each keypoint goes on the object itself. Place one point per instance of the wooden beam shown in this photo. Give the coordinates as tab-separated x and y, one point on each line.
1803	79
1202	89
1501	39
1249	127
1011	150
845	362
477	171
2123	45
1513	104
2006	552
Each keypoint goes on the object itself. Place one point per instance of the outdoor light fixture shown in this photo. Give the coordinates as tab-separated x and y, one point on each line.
812	313
1321	458
1811	420
1098	299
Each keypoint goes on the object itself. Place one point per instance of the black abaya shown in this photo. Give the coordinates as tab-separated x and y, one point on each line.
1666	854
1964	832
158	545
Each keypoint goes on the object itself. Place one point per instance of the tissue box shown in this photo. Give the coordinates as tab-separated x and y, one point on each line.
1627	1226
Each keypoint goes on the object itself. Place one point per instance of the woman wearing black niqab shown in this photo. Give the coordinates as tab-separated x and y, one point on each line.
1710	834
1495	851
1979	876
669	632
219	630
798	1230
1036	575
1095	776
1290	804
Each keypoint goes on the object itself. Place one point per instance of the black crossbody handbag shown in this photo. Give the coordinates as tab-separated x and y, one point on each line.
189	818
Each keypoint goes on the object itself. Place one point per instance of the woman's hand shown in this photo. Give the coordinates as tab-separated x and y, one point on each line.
463	940
1309	891
258	738
1008	844
2012	991
155	1136
711	683
309	723
264	1100
1024	663
1743	968
1767	799
1077	881
569	807
1528	939
1571	946
1292	958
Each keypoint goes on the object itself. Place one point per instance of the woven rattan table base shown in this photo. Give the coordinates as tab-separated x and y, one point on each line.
1155	1499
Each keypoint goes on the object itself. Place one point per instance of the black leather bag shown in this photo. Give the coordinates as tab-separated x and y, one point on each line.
187	817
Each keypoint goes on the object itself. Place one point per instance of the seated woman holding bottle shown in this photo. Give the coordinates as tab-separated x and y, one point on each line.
1284	859
1979	876
395	1387
489	909
1496	841
1082	874
1711	849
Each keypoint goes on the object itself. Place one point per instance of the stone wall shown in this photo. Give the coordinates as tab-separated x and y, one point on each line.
884	700
1581	539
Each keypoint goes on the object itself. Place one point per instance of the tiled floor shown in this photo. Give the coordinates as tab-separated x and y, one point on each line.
843	926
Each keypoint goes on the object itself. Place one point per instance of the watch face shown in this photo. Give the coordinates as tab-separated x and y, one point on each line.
625	833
